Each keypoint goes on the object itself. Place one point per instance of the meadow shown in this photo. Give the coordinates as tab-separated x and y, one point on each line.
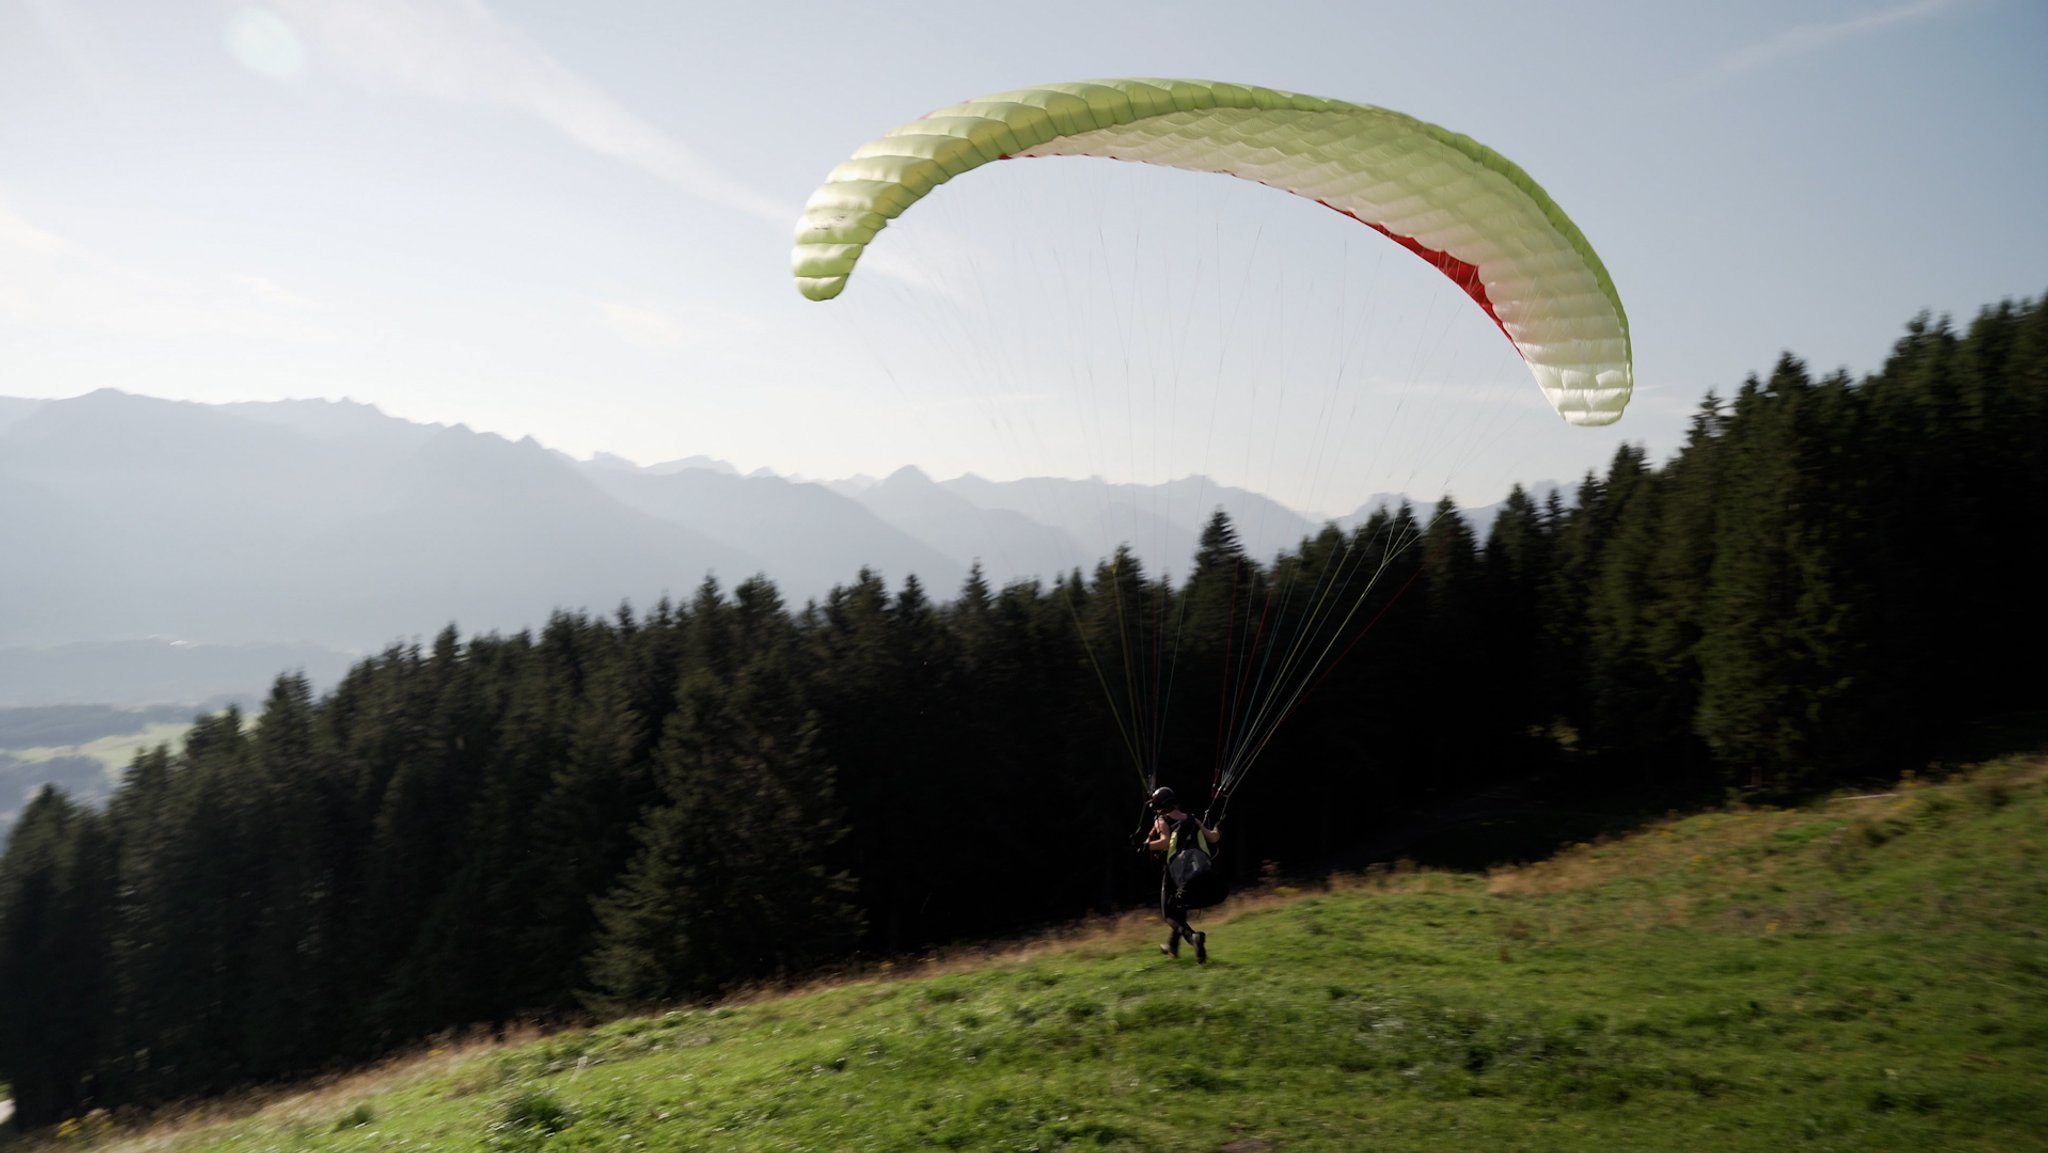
1864	972
87	769
112	752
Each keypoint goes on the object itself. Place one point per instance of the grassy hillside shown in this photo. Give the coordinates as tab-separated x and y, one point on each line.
112	752
86	770
1866	973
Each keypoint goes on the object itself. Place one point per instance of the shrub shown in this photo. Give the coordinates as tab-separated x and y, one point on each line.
537	1111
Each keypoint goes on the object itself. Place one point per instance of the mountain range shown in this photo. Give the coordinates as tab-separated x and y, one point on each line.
161	550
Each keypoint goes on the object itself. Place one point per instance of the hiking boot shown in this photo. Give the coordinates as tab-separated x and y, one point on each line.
1171	948
1201	948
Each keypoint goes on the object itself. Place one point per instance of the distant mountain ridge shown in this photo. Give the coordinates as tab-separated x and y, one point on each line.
330	526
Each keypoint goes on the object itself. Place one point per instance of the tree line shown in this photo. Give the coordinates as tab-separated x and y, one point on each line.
1826	582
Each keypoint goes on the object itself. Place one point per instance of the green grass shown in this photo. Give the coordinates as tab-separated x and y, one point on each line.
1860	974
113	752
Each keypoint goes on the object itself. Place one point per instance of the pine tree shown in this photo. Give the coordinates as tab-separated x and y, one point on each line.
1513	565
56	893
1680	570
290	1006
598	790
1462	739
1216	656
732	882
1578	534
202	880
1621	679
1780	635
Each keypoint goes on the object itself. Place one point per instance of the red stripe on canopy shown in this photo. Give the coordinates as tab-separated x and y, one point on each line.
1462	274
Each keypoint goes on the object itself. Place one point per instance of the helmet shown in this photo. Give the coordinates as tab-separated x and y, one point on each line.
1163	799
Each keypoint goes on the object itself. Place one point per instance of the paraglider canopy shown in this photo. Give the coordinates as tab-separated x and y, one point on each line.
1470	212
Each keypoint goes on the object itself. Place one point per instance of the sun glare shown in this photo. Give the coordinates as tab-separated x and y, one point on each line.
262	42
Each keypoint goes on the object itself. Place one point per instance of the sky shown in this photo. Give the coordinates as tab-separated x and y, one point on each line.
572	222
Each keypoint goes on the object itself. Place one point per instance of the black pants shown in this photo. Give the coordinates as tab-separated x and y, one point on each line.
1175	913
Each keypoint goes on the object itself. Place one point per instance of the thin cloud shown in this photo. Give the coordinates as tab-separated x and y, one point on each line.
458	50
643	325
271	290
996	399
1516	392
671	327
51	284
1808	38
17	233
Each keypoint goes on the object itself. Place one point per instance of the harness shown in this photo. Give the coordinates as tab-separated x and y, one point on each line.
1199	840
1191	880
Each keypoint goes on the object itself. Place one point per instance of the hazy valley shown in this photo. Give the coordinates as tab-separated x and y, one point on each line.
171	552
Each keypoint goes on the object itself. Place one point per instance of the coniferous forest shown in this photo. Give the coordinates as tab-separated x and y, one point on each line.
1831	580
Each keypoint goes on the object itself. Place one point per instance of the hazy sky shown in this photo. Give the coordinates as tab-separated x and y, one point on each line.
572	221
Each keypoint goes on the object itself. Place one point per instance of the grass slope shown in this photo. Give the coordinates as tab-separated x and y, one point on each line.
114	753
1865	973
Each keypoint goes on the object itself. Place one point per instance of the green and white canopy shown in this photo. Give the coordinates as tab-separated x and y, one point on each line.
1456	203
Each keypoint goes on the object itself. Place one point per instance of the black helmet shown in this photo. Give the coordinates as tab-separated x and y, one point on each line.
1163	799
